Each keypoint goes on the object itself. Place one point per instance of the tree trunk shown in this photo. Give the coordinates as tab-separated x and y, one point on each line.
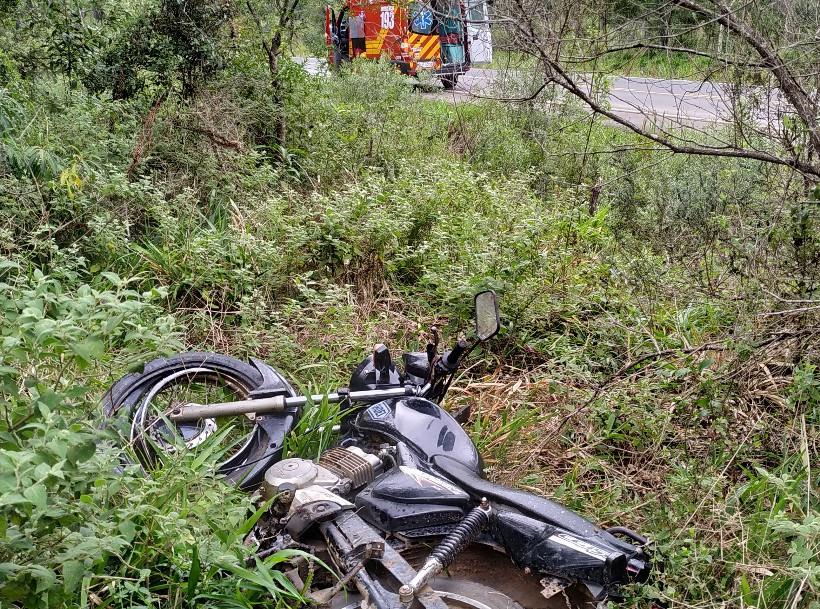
280	126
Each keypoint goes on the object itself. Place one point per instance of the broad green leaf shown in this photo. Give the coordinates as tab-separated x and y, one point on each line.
82	451
88	350
73	571
13	499
46	578
37	495
128	529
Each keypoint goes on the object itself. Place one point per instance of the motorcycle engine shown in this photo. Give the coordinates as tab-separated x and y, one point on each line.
337	473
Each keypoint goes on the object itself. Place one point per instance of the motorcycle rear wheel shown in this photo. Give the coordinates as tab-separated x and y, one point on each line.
466	594
461	585
134	408
455	592
479	563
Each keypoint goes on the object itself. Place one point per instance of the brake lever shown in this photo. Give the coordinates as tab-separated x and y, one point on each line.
436	337
432	353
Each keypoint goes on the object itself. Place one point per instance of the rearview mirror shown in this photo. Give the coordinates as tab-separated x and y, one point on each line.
487	319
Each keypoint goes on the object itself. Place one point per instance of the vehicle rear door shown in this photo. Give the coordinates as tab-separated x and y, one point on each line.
478	31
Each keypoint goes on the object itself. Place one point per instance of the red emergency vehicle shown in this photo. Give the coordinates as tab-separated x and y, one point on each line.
432	35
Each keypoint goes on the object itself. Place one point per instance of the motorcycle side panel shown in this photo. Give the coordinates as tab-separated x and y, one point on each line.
548	549
406	499
548	537
424	426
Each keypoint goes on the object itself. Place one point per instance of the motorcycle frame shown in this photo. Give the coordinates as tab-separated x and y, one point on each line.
535	532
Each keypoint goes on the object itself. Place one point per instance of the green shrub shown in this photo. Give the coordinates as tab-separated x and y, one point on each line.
78	528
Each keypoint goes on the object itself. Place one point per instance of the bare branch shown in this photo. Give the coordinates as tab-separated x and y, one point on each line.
794	92
572	87
555	33
661	47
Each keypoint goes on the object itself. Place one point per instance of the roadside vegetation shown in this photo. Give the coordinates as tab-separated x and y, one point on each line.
659	365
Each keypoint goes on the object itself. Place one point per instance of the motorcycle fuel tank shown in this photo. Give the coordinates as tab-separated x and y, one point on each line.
424	426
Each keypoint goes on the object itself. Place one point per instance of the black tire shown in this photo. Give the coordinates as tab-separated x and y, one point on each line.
263	445
498	577
509	590
449	82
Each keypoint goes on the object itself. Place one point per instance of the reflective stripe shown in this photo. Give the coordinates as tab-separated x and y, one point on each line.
427	46
374	47
432	49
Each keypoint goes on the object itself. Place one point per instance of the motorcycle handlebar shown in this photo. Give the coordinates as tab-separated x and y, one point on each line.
452	357
260	406
194	412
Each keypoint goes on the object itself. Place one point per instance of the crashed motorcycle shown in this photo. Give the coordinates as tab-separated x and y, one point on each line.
399	507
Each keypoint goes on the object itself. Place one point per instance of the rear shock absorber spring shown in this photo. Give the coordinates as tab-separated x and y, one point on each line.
466	532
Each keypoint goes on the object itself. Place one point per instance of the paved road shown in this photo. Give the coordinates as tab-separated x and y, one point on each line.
662	103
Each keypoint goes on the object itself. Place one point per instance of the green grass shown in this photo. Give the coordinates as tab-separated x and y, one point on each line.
657	64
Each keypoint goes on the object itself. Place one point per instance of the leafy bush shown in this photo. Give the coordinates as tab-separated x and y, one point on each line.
78	528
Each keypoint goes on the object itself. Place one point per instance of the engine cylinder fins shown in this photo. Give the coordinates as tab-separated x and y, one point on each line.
351	463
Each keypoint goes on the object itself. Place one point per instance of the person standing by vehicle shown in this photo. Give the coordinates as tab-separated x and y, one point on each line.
357	39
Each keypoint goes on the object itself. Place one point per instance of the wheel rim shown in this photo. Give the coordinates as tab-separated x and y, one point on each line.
151	429
462	597
460	600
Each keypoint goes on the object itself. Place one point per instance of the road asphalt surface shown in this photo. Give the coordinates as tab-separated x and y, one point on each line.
645	102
